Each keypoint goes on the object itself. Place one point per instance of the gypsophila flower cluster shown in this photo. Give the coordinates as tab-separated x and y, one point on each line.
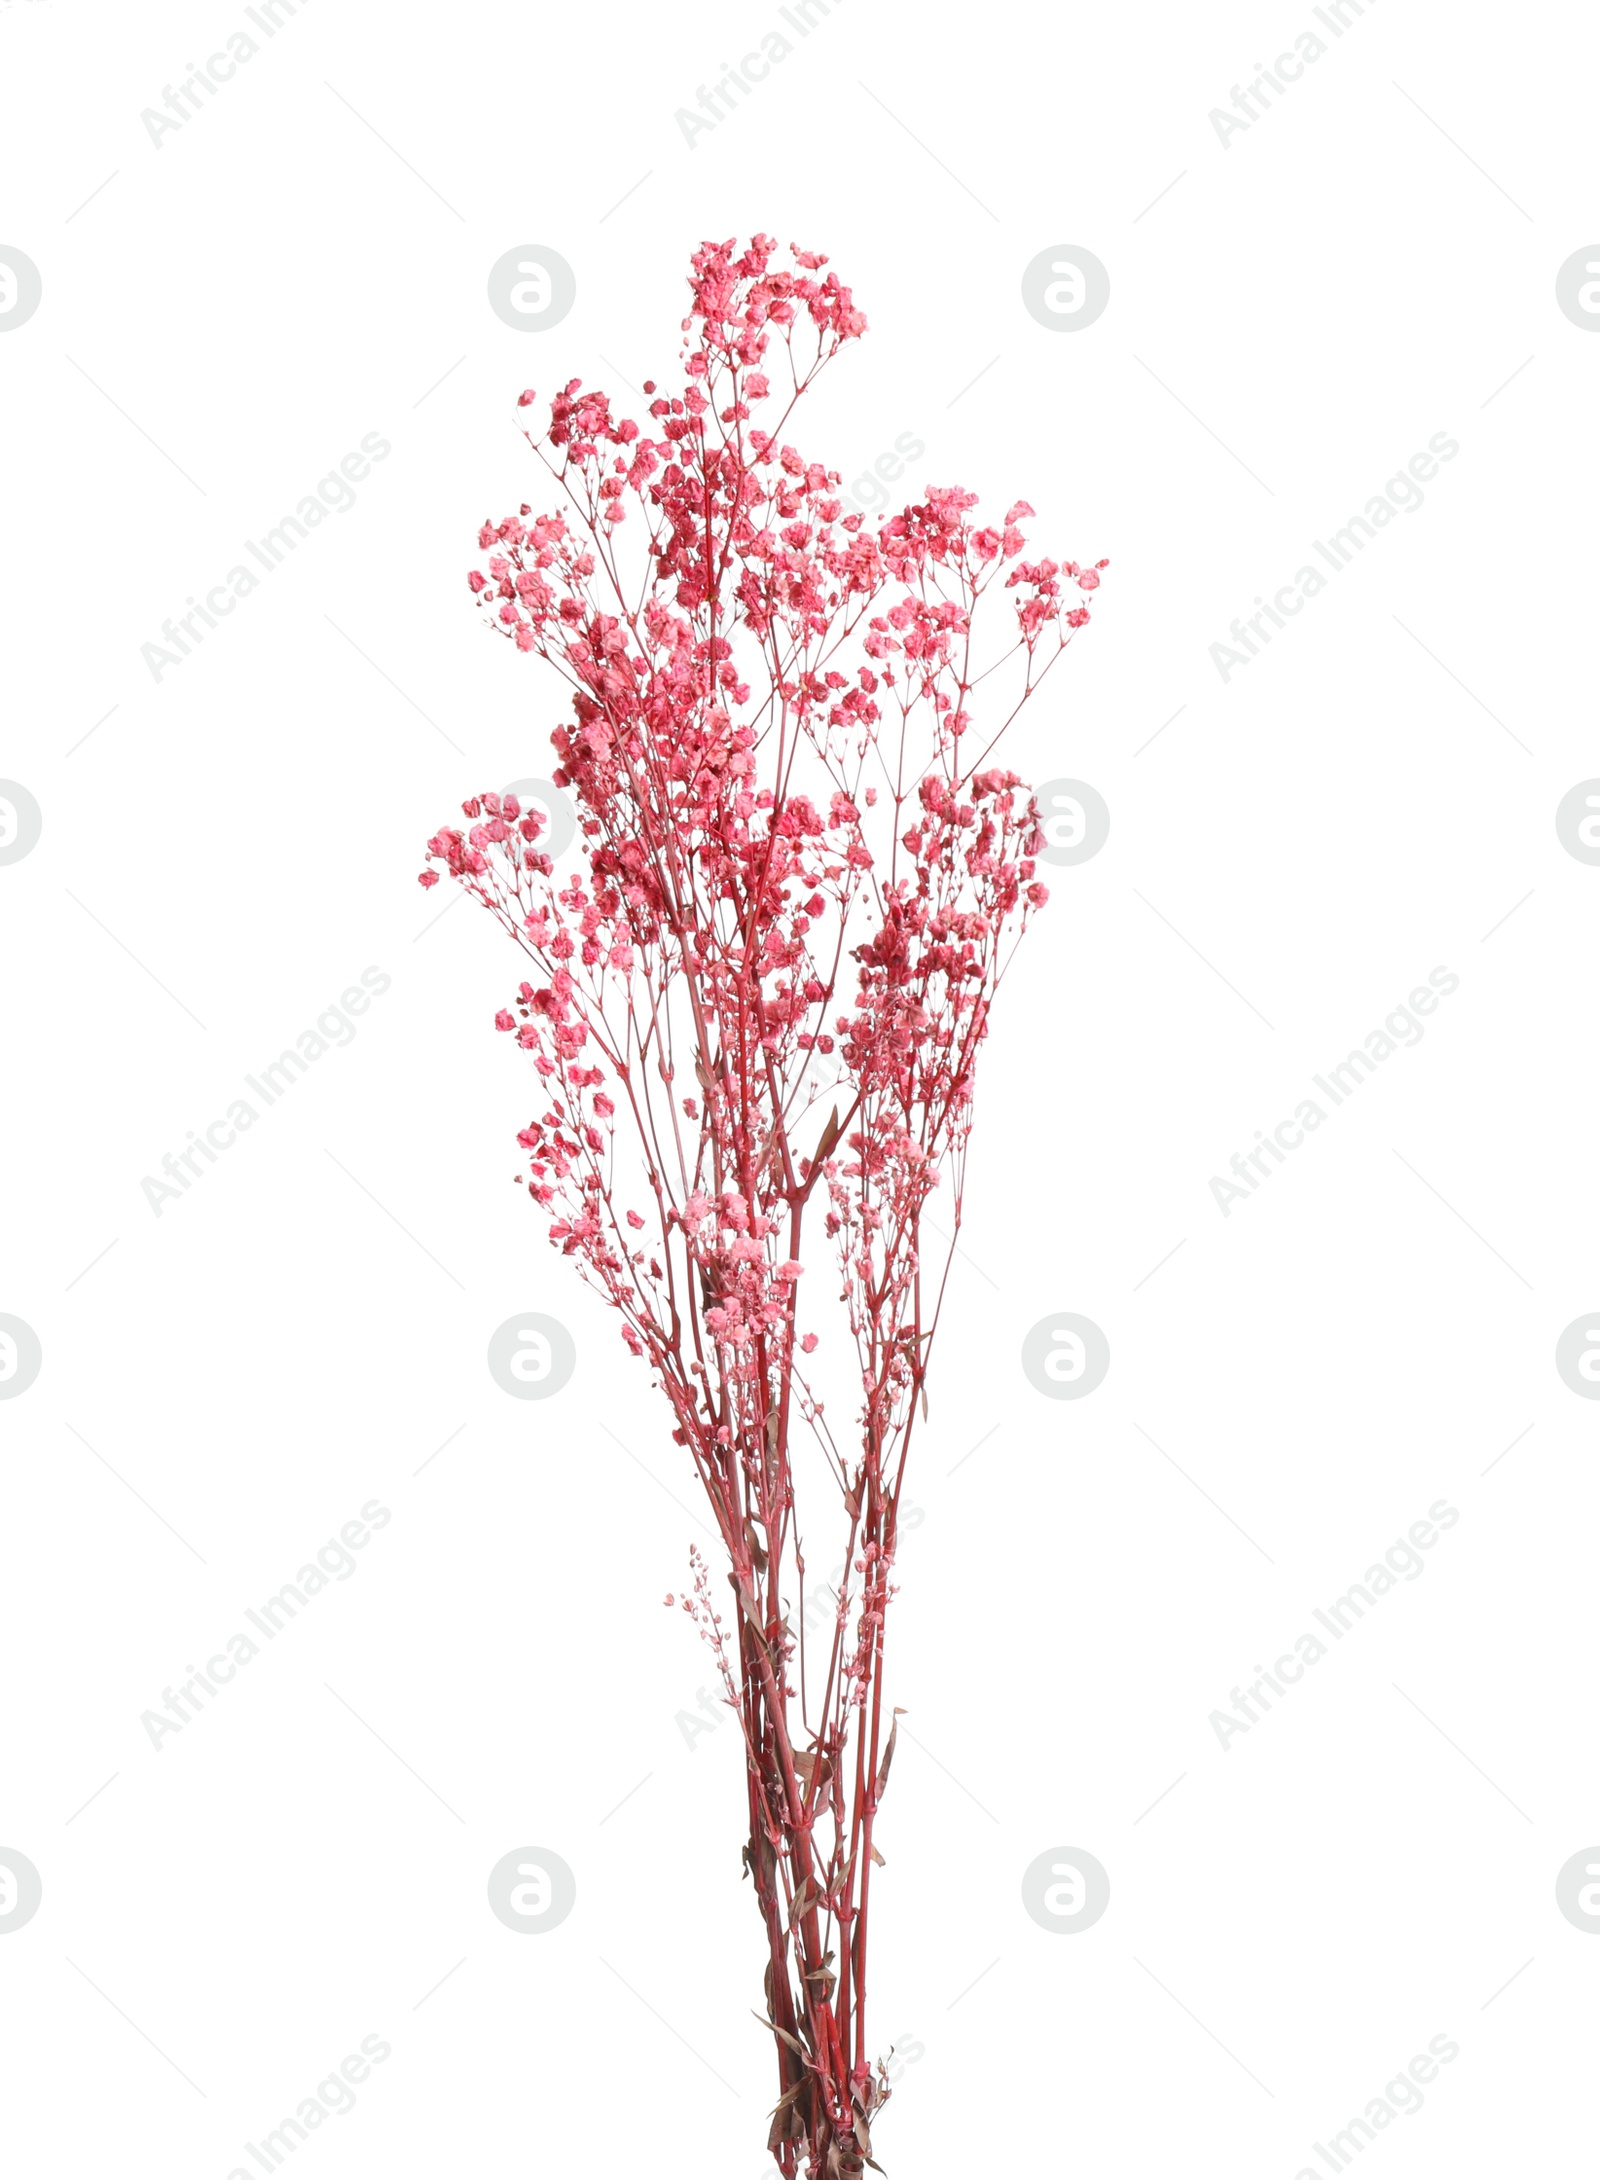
754	1008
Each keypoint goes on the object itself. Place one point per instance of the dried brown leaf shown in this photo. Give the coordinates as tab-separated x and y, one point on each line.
888	1758
830	1135
793	2042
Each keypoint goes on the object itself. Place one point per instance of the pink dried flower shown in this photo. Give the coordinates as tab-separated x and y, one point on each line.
750	910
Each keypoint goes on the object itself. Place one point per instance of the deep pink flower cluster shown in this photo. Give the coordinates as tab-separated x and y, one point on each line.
766	978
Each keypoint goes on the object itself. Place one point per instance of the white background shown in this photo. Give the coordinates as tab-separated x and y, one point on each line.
1292	317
